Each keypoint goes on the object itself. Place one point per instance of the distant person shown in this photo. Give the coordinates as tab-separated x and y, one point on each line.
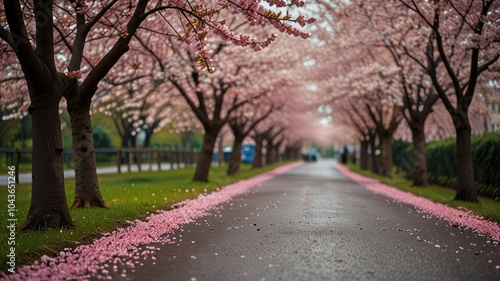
305	156
314	155
344	155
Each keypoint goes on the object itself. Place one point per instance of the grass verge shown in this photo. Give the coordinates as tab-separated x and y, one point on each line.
487	208
129	196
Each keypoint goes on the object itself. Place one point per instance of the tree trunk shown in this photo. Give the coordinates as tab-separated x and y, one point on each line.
124	145
220	152
386	155
132	157
419	156
205	157
48	208
466	190
293	153
372	157
133	141
147	139
233	167
363	155
269	154
296	153
275	155
288	153
257	160
87	193
124	141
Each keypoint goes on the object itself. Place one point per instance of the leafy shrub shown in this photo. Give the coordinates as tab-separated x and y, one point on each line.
102	138
442	162
402	157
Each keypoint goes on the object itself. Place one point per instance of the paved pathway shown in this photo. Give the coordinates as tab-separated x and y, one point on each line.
315	224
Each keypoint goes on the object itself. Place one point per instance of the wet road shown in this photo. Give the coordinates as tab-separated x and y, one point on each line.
314	224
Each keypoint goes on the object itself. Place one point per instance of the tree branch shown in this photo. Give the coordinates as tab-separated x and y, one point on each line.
45	33
19	42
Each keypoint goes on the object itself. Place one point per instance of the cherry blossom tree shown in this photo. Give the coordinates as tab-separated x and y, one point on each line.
272	92
215	97
241	125
350	113
51	42
418	102
293	124
138	101
417	96
372	79
208	97
258	137
292	149
465	35
451	42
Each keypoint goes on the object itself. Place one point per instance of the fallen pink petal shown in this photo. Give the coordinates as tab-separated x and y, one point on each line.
461	217
87	260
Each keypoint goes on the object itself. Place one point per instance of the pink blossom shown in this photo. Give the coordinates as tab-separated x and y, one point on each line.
300	20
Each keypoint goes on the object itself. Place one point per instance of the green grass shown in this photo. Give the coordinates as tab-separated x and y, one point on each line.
488	208
129	196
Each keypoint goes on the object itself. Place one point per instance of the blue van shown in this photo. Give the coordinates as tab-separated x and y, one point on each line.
247	153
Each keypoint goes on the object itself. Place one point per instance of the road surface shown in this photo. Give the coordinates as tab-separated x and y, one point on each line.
313	223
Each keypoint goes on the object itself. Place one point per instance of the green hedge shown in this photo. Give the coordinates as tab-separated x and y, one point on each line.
441	162
486	160
402	157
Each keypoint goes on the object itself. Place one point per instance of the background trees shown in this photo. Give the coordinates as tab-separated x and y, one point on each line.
439	48
67	48
384	61
452	25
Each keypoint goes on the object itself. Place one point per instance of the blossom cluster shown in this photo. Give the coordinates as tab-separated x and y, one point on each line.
257	15
177	3
282	3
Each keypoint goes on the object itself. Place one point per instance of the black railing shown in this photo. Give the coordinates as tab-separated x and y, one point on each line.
127	157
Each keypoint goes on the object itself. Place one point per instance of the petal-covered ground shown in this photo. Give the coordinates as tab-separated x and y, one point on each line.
122	247
463	218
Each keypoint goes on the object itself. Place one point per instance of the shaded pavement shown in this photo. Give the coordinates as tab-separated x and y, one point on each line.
313	223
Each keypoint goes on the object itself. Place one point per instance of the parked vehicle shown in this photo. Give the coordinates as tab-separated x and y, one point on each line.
247	153
310	155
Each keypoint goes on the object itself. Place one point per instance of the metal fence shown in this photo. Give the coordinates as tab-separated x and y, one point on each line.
125	159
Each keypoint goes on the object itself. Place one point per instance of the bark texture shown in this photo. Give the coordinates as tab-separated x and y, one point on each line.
386	155
48	208
363	154
419	157
87	193
220	152
466	190
258	156
205	157
374	163
233	167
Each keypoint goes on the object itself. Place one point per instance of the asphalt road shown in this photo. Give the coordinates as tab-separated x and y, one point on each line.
315	224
